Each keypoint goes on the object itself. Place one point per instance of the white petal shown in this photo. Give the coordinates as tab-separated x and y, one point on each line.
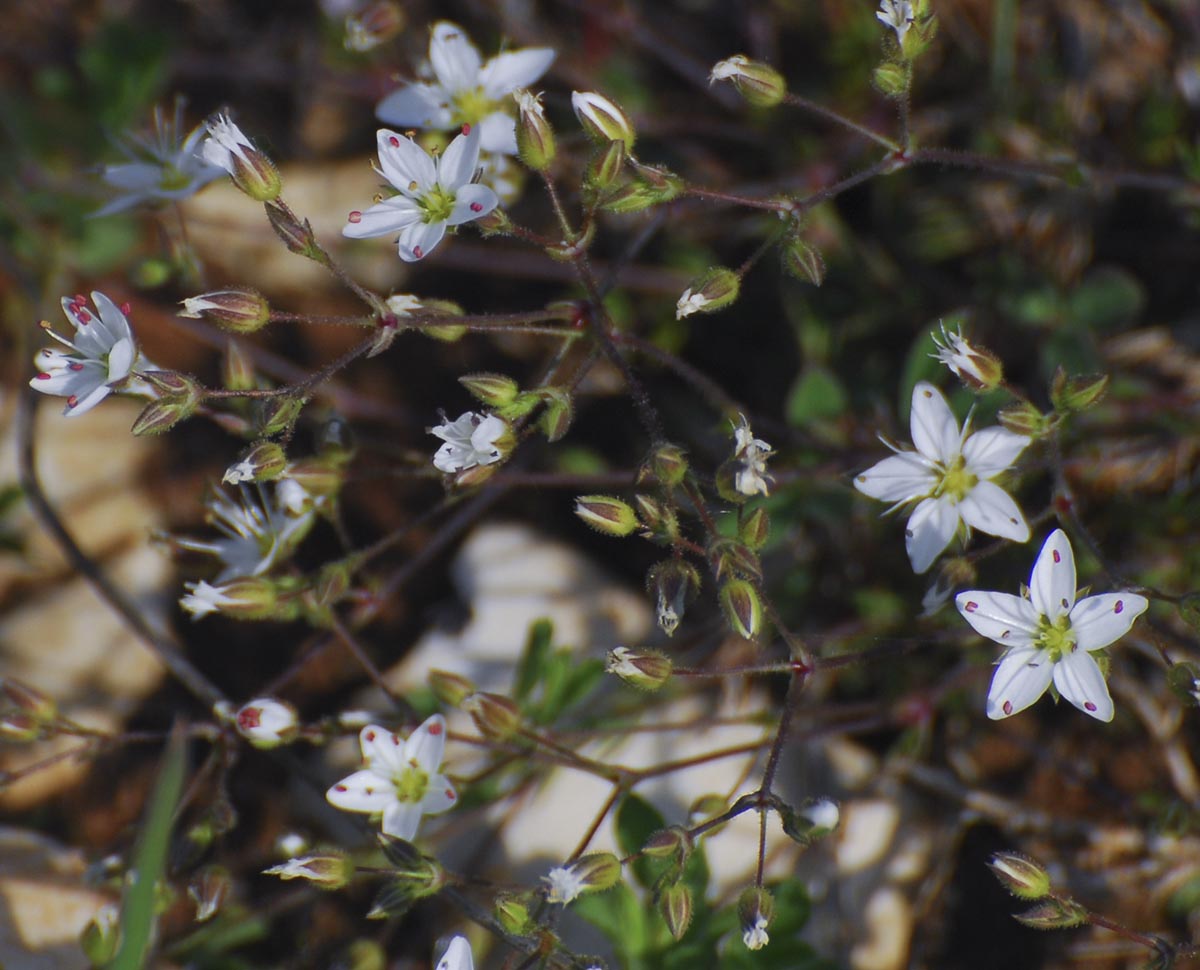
363	791
934	430
384	218
506	72
120	360
401	820
483	438
457	165
498	134
1077	677
418	241
440	796
84	403
930	529
472	202
113	319
455	60
403	162
1007	619
1104	619
426	744
1020	679
898	478
457	956
415	106
992	450
450	458
1052	583
382	751
988	508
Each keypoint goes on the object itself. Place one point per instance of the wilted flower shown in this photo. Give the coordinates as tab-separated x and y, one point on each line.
1050	636
751	454
690	303
973	366
470	440
465	90
897	14
433	194
252	172
563	885
949	479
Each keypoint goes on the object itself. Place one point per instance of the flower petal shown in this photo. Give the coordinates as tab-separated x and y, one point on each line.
1021	677
506	72
988	508
402	162
897	479
1002	617
418	241
472	202
1104	619
498	134
993	450
1052	583
934	430
382	219
426	744
401	820
455	60
120	360
930	529
457	165
439	797
363	791
382	751
415	106
84	404
457	956
1078	678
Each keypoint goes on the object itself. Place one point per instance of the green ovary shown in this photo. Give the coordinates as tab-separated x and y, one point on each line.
436	205
173	179
471	107
1055	637
957	481
411	784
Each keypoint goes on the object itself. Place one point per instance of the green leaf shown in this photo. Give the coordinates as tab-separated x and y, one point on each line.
532	667
636	821
817	394
620	916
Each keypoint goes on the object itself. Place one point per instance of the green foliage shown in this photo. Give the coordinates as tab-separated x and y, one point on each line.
550	682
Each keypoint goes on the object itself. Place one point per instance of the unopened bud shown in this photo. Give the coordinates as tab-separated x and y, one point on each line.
326	870
246	598
602	119
756	908
675	907
447	332
803	261
375	25
730	557
264	462
267	723
162	415
673	583
208	890
604	167
19	698
645	670
278	414
606	514
743	608
1024	419
450	688
812	821
102	935
238	311
1053	914
659	521
296	234
755	529
673	843
666	466
494	390
512	912
716	288
535	137
1020	875
652	186
891	79
237	373
759	84
1184	681
558	413
496	717
1074	394
321	476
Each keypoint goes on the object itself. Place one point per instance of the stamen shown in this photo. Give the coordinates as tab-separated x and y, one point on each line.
418	252
435	729
466	129
72	401
1089	705
42	377
1119	607
1007	707
77	367
476	206
370	735
1057	557
451	794
971	606
126	308
394	141
355	216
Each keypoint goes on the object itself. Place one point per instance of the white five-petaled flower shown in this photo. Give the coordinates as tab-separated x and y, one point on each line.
751	454
897	14
470	440
563	884
160	168
457	956
690	303
1050	636
104	360
949	479
433	194
466	91
399	779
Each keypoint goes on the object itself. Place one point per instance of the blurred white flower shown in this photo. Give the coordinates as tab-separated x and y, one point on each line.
457	956
563	884
897	14
470	440
751	453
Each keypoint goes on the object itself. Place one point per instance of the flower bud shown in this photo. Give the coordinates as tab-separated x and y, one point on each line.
743	608
161	416
604	167
671	843
1023	418
245	598
812	821
496	717
278	414
494	390
675	907
673	582
647	671
237	311
1184	681
326	870
102	935
606	514
729	557
418	875
1020	875
602	120
658	519
1075	394
237	373
651	187
251	170
267	723
264	462
755	529
716	288
978	368
755	907
374	25
297	235
321	476
208	889
1053	914
448	332
891	80
512	912
667	466
803	261
591	873
450	688
555	419
759	84
535	137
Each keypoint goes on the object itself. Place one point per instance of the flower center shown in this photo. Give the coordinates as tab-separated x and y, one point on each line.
1055	637
411	784
471	106
173	178
436	205
957	480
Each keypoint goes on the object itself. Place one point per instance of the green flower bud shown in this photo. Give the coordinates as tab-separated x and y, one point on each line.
555	420
803	261
512	912
605	166
496	717
1023	418
814	820
891	80
237	373
755	529
264	462
658	519
1075	394
208	889
296	235
535	137
760	85
1020	875
1184	681
713	290
279	414
729	557
602	119
650	187
252	171
322	476
163	414
326	870
450	688
366	30
494	390
606	514
675	906
102	935
645	670
672	843
743	608
19	698
239	311
1053	914
666	466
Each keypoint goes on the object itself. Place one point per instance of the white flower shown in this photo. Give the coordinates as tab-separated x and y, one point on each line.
752	454
465	90
755	937
564	884
400	779
822	814
690	303
266	722
1050	636
949	477
730	67
469	441
403	304
432	194
239	472
225	145
160	168
620	662
203	598
457	956
897	14
965	362
104	360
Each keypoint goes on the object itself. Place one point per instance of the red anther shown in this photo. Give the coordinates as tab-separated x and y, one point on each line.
451	794
82	316
435	729
340	788
72	401
1089	705
249	717
370	735
394	141
42	377
1007	707
395	741
389	321
476	206
79	300
466	129
1119	607
971	606
418	252
1057	557
126	308
355	216
77	367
